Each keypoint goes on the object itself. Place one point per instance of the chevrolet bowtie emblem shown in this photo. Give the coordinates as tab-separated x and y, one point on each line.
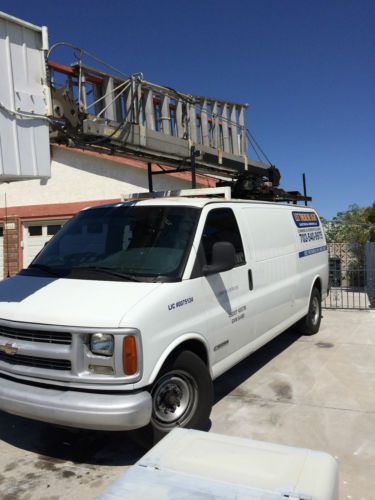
10	349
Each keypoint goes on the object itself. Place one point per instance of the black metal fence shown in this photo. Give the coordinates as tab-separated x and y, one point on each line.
351	276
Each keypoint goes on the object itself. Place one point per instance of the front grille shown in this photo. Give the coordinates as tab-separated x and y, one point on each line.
48	363
62	338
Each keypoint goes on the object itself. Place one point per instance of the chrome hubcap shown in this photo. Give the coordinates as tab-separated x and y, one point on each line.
315	311
174	398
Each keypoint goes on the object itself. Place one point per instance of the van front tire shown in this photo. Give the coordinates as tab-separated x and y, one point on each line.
182	396
310	324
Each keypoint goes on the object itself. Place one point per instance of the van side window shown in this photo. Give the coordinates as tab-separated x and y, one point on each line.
221	225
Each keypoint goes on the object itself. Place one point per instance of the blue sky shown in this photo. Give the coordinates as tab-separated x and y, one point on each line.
306	68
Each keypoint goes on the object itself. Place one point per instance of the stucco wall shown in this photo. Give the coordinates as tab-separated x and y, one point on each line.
79	177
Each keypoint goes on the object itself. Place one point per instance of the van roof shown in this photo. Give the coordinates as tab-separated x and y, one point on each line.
197	202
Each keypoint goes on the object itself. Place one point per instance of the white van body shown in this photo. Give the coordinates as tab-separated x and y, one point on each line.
49	373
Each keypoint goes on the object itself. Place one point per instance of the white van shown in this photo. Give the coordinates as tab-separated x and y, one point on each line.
132	310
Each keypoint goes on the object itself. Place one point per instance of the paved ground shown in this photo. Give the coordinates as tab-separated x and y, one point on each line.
315	392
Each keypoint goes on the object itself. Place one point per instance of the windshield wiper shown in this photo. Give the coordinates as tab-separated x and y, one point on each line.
106	270
47	269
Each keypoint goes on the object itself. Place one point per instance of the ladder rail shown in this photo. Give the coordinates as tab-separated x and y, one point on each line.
210	122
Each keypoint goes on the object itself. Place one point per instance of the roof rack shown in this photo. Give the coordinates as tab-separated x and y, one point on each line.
224	192
172	132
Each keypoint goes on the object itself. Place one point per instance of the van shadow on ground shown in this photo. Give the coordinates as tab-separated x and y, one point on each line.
80	446
117	448
233	378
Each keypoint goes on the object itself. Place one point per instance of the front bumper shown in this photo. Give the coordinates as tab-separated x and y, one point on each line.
85	410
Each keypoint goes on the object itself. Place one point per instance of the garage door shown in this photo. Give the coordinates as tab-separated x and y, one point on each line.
1	252
36	235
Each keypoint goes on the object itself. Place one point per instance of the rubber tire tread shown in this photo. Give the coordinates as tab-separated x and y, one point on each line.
305	325
191	363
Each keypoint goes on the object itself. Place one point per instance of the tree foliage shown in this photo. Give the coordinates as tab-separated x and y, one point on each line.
355	225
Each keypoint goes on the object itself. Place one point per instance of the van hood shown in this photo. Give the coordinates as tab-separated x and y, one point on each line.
70	302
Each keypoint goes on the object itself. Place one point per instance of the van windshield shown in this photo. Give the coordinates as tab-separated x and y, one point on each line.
130	242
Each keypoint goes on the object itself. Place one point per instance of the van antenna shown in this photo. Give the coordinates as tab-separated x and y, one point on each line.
304	188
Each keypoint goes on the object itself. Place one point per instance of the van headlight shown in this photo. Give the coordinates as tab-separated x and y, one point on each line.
102	343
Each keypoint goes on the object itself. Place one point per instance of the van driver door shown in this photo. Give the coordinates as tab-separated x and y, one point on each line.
229	323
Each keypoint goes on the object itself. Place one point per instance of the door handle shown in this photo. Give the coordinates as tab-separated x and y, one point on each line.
251	284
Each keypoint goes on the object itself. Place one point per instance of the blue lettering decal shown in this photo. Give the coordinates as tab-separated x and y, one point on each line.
312	251
180	303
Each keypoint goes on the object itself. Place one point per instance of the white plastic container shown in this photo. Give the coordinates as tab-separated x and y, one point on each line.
194	464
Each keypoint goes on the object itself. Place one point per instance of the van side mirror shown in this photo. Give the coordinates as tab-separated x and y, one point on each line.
223	258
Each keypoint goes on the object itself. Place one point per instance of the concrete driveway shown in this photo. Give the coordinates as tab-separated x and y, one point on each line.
315	392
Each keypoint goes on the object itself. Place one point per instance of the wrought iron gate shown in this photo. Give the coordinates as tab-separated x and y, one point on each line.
351	276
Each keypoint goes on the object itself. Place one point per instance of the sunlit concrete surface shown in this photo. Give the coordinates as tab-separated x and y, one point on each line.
315	392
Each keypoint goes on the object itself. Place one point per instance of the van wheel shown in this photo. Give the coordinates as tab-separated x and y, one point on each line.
182	396
310	324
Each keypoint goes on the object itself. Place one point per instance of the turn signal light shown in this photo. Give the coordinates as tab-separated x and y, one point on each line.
129	355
